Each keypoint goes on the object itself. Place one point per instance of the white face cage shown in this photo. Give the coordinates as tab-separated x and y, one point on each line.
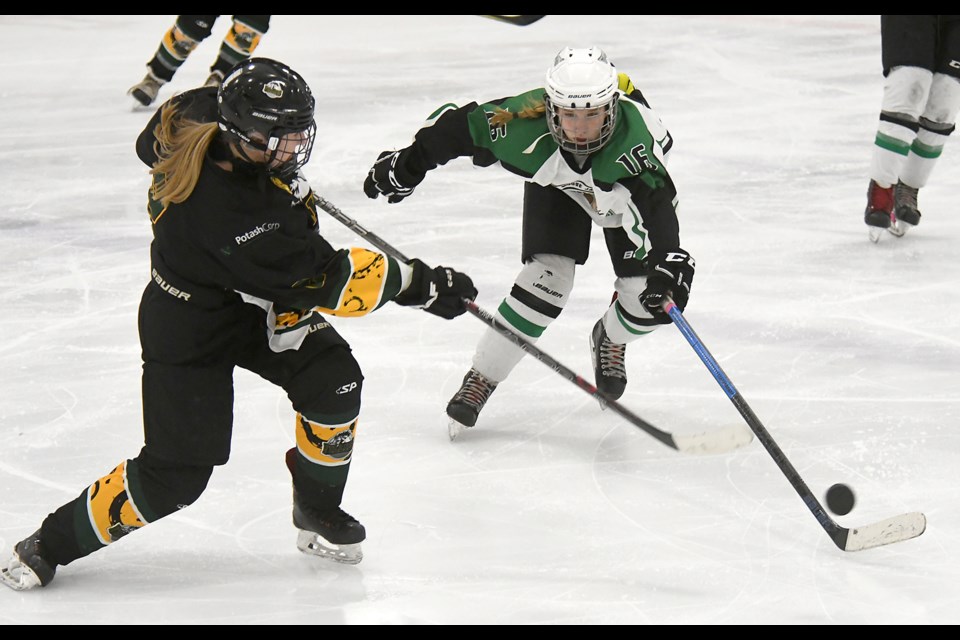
581	82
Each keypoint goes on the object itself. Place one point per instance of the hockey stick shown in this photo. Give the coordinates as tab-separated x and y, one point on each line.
718	441
895	529
520	21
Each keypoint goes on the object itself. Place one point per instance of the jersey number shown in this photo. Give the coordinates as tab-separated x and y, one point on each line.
636	160
496	130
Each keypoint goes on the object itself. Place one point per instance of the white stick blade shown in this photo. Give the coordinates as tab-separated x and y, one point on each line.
895	529
721	440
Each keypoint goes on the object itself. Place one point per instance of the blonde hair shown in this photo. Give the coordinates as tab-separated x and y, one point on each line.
537	108
181	145
532	110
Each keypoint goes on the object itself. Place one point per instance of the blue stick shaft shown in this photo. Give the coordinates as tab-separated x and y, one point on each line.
836	532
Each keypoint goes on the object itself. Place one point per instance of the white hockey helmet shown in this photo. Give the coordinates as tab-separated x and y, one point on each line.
581	79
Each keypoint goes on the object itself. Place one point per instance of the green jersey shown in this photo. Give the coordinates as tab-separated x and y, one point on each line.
624	184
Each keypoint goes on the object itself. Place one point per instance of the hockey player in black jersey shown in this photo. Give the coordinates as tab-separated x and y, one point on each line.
592	151
179	41
240	277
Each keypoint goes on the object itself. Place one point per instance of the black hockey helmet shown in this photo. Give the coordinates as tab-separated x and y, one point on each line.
268	106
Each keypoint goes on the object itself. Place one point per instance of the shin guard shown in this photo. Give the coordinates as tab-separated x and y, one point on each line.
238	45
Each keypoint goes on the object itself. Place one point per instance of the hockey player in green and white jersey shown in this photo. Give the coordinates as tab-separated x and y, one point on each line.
592	151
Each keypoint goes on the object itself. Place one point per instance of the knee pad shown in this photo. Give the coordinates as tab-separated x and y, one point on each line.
538	296
196	28
327	389
549	277
905	92
943	104
326	395
539	293
260	24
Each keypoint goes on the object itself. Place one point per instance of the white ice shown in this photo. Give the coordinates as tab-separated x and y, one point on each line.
550	511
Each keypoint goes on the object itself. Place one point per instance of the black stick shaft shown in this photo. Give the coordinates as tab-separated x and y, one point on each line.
506	332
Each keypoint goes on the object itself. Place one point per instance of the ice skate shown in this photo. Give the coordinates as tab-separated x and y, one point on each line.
465	405
145	91
214	79
906	212
879	212
332	534
26	568
609	363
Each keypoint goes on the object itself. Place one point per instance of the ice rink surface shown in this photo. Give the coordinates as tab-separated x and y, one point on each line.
550	511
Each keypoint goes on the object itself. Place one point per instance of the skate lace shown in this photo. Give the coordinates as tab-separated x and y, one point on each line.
613	358
475	391
340	518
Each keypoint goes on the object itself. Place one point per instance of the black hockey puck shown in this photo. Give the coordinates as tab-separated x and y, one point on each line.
840	499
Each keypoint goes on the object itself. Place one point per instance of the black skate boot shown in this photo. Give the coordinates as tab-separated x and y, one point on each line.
609	363
905	207
879	212
333	533
465	405
27	568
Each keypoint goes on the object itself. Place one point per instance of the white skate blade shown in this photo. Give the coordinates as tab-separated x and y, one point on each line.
454	428
898	228
17	576
875	233
314	544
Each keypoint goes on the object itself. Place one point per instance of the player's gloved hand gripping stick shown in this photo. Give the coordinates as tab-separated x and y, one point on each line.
716	441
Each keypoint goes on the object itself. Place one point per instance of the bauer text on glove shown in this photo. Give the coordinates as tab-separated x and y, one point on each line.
389	176
669	273
440	291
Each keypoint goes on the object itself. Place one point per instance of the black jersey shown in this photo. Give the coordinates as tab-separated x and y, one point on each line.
244	236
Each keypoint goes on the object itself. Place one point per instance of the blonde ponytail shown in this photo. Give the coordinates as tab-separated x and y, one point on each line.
533	110
181	144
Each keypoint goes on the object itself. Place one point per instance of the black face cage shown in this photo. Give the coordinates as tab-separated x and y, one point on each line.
606	130
297	144
288	140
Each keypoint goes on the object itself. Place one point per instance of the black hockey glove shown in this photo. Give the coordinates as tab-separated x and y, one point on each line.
669	273
388	176
439	291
